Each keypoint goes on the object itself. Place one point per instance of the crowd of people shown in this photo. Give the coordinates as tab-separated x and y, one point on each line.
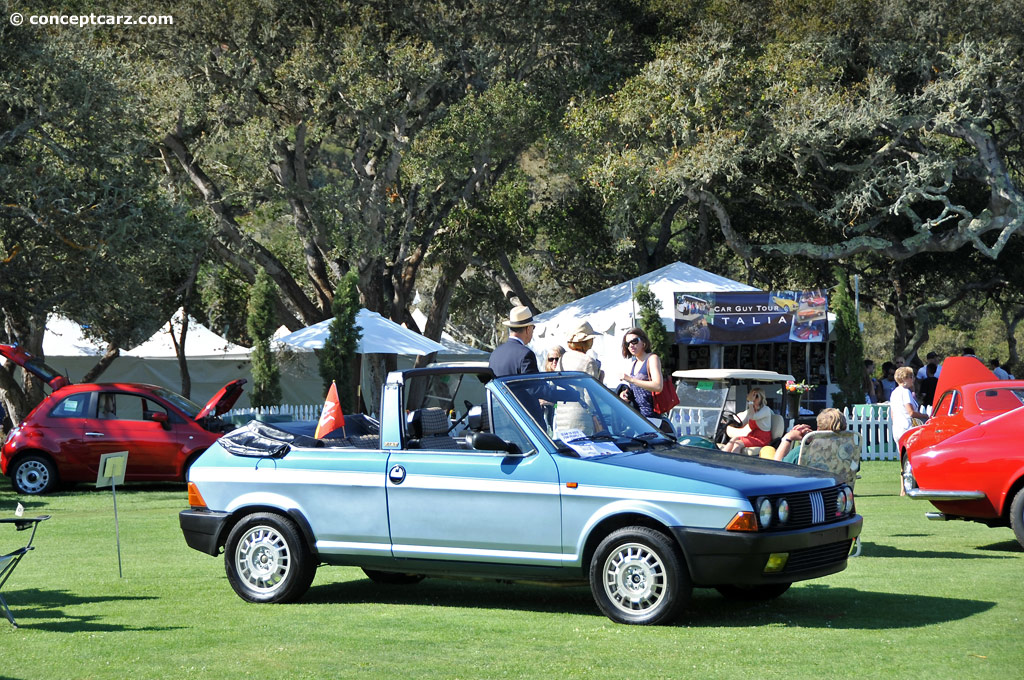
909	391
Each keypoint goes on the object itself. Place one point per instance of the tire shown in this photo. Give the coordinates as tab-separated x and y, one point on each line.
391	578
267	560
758	593
34	475
1017	516
638	576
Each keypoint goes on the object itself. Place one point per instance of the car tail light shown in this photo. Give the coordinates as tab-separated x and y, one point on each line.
195	499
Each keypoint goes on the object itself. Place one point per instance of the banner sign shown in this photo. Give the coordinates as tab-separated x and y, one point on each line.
730	318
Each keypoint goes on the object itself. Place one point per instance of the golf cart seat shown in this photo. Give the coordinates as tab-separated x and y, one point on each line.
778	429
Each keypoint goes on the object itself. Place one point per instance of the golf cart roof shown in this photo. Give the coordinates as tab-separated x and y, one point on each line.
734	374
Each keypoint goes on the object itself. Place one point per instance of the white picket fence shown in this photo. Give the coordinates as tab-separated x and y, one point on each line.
872	422
296	411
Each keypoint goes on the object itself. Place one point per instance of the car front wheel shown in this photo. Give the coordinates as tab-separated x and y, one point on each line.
638	576
34	475
1017	516
266	559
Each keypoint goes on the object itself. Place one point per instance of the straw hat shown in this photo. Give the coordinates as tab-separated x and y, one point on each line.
583	333
519	317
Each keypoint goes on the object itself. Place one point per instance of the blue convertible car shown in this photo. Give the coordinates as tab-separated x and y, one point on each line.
547	477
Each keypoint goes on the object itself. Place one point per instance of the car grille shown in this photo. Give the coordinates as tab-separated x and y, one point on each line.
806	509
817	557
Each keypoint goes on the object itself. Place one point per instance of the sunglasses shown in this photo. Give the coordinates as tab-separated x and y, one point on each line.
633	341
552	359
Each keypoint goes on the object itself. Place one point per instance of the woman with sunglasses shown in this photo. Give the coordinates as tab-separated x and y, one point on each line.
644	377
551	358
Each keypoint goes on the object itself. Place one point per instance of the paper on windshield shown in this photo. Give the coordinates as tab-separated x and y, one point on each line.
578	442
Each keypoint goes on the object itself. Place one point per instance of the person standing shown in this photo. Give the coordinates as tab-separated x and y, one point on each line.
576	358
551	358
513	357
644	377
903	408
998	370
888	381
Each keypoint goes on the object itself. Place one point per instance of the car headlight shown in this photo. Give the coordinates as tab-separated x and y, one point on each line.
783	511
764	512
849	500
844	501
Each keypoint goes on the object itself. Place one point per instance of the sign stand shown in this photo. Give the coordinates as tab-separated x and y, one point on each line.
110	473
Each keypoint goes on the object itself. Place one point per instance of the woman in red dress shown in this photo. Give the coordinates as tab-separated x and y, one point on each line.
759	417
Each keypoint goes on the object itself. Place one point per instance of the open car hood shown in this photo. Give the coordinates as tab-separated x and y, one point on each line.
36	367
959	371
223	400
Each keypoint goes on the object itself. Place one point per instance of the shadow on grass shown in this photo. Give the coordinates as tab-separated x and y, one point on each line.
1004	546
880	550
53	610
804	606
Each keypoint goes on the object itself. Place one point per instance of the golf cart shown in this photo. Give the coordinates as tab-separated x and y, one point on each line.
710	398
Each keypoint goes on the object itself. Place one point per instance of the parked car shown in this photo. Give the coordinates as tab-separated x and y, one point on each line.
495	492
967	458
967	394
62	439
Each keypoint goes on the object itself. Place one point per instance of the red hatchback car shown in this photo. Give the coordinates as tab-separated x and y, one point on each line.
62	439
967	459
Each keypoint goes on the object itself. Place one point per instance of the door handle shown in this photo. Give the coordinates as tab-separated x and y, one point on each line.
95	434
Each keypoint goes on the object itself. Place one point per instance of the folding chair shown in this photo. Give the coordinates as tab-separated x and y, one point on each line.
837	453
9	561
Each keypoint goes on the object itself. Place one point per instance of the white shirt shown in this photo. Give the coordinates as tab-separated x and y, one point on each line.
922	372
763	418
898	401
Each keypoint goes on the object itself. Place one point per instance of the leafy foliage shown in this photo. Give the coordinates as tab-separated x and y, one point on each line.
849	368
650	321
338	358
261	324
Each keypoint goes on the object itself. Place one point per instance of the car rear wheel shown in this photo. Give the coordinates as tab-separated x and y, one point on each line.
638	576
391	578
1017	516
34	475
266	559
756	593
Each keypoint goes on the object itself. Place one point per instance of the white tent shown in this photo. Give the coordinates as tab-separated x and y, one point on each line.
612	311
212	361
379	336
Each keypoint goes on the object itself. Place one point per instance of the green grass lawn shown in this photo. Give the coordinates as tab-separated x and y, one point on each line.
926	599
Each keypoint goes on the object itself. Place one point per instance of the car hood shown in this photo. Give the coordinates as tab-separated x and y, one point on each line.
711	470
223	400
35	366
959	371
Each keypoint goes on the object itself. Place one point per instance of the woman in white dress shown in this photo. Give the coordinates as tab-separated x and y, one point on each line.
903	408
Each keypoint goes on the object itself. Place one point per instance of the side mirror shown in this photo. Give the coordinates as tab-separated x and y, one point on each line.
161	418
486	441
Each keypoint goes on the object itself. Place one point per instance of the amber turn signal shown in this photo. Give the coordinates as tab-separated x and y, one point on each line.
195	499
743	521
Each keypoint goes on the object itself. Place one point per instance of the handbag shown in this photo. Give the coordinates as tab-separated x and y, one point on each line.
665	400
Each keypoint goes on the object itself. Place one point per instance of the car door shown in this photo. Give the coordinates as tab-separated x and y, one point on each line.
124	422
469	505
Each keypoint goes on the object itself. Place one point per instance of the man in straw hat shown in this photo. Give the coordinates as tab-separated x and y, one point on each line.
513	357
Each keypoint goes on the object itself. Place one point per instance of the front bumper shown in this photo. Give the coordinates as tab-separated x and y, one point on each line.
203	529
717	557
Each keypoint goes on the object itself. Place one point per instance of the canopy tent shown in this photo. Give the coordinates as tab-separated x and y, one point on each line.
612	311
213	361
379	336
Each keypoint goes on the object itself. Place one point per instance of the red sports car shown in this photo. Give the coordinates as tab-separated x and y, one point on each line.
967	459
62	439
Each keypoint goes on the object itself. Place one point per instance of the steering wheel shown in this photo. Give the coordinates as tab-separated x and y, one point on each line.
465	415
728	419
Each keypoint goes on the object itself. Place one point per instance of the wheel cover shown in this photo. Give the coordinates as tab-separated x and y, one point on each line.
32	476
635	578
263	559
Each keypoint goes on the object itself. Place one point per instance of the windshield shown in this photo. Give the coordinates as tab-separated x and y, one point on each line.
187	406
700	407
582	416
